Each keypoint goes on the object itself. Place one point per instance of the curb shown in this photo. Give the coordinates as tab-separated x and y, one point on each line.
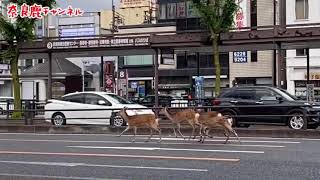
242	132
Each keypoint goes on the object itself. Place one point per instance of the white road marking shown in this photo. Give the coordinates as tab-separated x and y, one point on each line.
126	142
167	149
51	177
120	156
100	165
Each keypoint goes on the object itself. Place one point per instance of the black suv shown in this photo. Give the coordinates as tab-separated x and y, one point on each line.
278	102
164	100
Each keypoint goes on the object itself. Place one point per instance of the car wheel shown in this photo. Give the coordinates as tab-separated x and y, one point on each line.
296	121
313	126
117	120
231	115
1	111
58	119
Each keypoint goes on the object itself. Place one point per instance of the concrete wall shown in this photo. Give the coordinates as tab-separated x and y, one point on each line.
263	67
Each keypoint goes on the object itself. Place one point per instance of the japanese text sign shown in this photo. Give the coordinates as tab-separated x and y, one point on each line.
36	11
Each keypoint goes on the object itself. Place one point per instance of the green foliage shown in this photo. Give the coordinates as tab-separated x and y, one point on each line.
15	32
218	15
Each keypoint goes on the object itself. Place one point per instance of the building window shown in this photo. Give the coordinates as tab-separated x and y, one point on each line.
138	60
29	63
302	9
254	56
40	61
301	52
253	13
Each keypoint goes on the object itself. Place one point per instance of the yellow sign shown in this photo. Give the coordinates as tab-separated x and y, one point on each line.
313	76
134	3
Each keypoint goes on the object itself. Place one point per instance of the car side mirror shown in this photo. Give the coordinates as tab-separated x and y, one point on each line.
101	102
280	99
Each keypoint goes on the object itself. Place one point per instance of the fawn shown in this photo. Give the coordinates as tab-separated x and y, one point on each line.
140	121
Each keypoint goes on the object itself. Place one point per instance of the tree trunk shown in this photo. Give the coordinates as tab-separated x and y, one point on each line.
16	85
216	59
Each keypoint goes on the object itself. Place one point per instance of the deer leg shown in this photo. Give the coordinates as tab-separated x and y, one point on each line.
124	131
180	131
159	131
235	133
193	129
134	134
227	134
200	134
151	133
174	130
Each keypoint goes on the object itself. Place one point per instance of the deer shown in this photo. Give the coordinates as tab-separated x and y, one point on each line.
139	121
189	115
213	119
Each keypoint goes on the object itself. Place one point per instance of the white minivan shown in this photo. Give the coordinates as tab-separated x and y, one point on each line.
81	102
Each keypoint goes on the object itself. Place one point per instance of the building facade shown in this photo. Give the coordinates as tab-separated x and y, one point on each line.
302	12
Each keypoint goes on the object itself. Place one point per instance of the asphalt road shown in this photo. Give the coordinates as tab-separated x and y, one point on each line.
89	157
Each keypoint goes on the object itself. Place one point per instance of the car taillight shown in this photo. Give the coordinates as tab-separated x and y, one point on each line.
216	102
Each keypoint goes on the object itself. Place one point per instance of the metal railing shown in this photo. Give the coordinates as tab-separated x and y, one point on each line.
29	112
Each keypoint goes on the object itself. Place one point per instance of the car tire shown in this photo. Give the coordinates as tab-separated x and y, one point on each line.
58	119
117	120
296	121
313	126
1	111
230	114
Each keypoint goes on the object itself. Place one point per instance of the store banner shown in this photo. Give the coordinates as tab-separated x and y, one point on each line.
181	10
162	11
171	10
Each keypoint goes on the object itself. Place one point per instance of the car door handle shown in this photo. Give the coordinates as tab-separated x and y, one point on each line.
259	102
234	101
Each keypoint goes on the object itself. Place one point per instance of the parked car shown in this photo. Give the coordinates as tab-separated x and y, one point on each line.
164	101
83	101
3	104
257	96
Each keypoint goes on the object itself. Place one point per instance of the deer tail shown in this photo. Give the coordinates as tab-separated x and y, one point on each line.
157	121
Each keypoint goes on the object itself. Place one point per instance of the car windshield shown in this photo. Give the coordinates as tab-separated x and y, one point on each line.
119	99
286	95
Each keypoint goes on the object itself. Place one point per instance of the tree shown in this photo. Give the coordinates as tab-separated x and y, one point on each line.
14	32
218	16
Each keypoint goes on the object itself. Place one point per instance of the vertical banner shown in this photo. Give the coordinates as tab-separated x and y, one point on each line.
310	93
123	83
241	20
171	10
162	11
181	9
109	76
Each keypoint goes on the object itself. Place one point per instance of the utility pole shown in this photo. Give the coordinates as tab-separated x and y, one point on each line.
282	82
113	17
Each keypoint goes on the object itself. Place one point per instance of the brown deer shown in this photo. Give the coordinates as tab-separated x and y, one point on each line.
140	121
189	115
213	119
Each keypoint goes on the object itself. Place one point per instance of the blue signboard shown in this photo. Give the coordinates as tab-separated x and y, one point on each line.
199	82
240	57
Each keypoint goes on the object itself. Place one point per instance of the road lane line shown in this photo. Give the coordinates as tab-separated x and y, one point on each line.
167	149
126	142
120	156
66	164
51	177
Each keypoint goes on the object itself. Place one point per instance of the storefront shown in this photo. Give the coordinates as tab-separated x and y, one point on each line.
139	88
